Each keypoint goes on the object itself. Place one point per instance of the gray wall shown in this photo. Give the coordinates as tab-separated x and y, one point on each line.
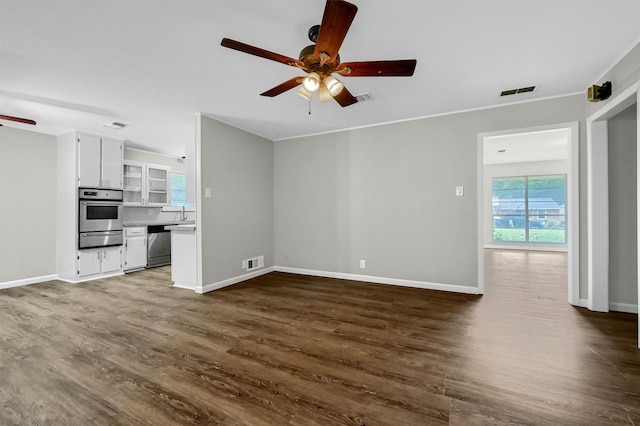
386	194
623	259
28	213
237	221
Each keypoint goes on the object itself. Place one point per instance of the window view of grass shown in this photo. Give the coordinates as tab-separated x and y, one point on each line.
529	209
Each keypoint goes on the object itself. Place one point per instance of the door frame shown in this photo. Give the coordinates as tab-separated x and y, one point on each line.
573	205
598	198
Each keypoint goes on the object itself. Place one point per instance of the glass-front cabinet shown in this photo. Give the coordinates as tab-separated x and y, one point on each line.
133	183
158	185
146	185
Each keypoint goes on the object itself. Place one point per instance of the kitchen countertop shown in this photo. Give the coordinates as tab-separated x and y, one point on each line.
181	227
155	222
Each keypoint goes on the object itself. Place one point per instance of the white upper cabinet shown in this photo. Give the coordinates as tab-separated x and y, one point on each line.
147	185
158	185
133	177
100	161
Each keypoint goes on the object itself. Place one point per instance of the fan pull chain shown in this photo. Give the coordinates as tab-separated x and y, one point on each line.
309	106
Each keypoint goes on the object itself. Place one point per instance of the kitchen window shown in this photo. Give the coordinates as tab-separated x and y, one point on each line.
179	190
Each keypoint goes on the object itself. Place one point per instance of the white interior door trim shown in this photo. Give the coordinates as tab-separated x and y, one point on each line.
597	193
573	197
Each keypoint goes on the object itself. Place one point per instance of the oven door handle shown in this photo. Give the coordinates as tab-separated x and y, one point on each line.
101	203
89	234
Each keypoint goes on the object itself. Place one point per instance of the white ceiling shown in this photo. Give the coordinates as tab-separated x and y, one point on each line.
155	64
547	145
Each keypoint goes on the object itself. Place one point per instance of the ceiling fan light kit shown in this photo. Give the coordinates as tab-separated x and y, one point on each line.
321	59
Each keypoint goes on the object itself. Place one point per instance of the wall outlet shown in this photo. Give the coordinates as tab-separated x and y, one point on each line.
363	263
459	191
253	263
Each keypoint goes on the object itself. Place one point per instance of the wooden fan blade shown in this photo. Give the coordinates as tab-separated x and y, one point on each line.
337	18
252	50
345	98
281	88
400	68
17	119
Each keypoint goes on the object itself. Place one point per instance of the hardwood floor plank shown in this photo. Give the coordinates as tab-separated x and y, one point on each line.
285	349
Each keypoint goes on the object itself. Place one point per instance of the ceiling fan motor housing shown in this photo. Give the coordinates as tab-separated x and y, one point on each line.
313	33
313	63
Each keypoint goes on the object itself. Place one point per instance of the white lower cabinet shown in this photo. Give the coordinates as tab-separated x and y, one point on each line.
99	261
135	248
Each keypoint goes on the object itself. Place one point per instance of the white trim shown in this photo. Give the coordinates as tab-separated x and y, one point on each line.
199	201
422	117
235	280
91	278
27	281
573	205
381	280
480	209
623	307
598	196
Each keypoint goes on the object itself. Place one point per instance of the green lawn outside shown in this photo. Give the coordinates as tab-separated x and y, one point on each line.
555	236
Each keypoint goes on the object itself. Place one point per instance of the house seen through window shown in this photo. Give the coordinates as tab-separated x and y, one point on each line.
529	209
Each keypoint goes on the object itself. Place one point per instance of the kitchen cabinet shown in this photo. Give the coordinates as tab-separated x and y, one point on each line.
146	185
84	160
100	161
135	247
99	261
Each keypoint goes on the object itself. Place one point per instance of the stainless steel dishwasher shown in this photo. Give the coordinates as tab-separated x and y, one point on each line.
158	246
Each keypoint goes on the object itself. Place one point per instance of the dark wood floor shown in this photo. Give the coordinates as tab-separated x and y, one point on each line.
285	349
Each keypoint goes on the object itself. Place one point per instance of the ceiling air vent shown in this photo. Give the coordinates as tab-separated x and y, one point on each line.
115	125
520	90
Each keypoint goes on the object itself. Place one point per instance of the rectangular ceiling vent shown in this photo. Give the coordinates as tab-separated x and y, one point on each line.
115	125
364	97
520	90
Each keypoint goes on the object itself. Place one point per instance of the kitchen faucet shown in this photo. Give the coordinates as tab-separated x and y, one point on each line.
183	216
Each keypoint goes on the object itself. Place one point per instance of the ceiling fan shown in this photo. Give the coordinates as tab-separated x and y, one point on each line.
321	60
16	119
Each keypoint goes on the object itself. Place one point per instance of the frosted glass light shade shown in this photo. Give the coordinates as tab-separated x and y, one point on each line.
324	94
333	85
311	82
304	93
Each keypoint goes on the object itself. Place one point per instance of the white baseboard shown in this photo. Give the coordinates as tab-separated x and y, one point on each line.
215	286
381	280
623	307
614	306
27	281
91	278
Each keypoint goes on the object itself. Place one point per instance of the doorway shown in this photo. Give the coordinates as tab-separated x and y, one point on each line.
532	164
599	245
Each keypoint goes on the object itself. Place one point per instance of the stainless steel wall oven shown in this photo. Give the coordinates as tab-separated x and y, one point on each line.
99	217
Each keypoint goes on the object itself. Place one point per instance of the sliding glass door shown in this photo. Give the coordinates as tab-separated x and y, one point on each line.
529	209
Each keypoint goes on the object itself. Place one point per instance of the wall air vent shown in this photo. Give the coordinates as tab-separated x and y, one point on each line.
520	90
115	125
364	97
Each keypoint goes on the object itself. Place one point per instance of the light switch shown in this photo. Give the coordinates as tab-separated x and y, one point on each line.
207	192
459	191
